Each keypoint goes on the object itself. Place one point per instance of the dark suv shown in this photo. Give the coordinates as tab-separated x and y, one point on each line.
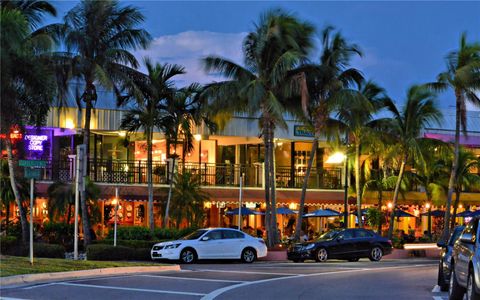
444	267
465	277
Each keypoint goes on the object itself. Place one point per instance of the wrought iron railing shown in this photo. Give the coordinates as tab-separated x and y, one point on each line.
211	174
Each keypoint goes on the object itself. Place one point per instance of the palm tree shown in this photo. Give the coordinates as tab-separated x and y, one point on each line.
355	112
406	125
152	92
465	177
323	80
188	199
463	77
27	82
272	53
97	36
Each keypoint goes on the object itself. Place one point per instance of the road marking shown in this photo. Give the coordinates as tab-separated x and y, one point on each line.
37	286
437	298
190	278
436	289
246	272
8	298
131	289
212	295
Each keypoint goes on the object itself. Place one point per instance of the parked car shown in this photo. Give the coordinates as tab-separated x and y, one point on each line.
465	264
211	243
350	244
444	269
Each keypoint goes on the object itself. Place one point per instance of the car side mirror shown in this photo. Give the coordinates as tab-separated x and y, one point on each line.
467	238
441	244
205	238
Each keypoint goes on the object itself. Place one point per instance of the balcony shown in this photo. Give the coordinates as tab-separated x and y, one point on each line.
211	174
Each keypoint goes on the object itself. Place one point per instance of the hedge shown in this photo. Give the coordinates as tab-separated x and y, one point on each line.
109	252
143	233
136	244
12	246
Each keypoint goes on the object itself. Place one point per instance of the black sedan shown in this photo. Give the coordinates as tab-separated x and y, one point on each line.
350	244
444	267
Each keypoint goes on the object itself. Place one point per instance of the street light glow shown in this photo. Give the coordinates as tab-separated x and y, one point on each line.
336	158
198	137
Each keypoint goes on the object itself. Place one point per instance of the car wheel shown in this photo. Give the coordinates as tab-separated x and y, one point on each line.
188	256
455	291
376	254
441	279
471	292
354	259
249	255
321	255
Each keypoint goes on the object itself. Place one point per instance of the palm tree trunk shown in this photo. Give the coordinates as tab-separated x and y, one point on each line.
16	193
298	226
86	141
455	207
170	188
151	220
357	183
380	200
395	197
273	207
452	181
266	171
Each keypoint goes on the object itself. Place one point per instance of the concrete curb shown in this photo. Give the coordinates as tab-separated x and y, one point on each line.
45	277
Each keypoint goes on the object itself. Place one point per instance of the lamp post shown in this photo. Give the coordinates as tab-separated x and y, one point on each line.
337	158
116	218
198	138
429	208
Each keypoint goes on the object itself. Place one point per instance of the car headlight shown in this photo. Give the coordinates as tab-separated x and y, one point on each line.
173	246
309	246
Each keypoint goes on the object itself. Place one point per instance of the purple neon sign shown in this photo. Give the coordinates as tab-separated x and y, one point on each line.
35	142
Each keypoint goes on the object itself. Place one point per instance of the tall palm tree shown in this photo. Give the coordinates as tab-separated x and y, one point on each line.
97	36
463	77
27	81
152	93
465	177
272	53
355	112
330	75
406	126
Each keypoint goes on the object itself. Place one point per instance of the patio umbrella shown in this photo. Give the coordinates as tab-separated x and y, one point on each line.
435	213
402	214
285	211
245	212
475	213
322	213
364	212
464	214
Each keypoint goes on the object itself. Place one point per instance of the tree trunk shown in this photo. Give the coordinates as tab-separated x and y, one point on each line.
455	207
380	200
298	226
274	224
357	183
151	220
395	197
172	172
266	171
7	216
16	193
453	172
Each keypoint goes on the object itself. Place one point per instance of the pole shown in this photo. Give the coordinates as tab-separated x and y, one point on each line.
31	220
200	152
116	213
77	196
240	204
345	196
430	221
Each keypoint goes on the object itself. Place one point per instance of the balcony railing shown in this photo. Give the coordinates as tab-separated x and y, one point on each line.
211	174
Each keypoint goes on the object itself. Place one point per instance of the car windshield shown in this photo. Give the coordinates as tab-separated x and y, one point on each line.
195	235
329	235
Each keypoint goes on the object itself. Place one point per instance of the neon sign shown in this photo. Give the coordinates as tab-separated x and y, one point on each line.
35	142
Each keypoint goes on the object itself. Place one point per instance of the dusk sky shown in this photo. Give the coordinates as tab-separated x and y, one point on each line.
404	43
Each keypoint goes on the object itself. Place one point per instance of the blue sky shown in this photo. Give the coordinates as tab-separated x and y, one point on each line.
403	42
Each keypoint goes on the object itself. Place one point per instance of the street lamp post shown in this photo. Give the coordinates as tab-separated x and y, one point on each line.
337	158
116	218
429	207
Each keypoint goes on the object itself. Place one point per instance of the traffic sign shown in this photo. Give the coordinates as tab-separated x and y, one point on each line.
31	173
32	163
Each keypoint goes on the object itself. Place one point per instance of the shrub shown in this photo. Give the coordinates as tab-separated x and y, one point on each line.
109	252
7	243
172	233
11	246
131	233
136	244
58	233
48	250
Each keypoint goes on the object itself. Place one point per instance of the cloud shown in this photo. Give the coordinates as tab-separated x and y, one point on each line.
189	47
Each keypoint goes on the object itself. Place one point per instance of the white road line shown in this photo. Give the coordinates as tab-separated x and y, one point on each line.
437	298
37	286
212	295
194	279
131	289
245	272
9	298
436	289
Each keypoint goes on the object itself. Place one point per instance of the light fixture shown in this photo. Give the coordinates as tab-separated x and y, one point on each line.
389	205
198	137
336	158
122	133
427	205
69	124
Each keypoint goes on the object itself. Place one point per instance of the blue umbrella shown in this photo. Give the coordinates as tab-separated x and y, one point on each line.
322	213
285	211
401	214
245	211
464	214
435	213
475	213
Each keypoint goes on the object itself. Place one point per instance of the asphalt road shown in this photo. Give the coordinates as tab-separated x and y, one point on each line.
388	279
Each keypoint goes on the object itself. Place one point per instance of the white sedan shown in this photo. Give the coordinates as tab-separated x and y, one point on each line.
212	243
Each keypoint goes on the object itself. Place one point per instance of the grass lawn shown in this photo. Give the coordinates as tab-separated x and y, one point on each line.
16	265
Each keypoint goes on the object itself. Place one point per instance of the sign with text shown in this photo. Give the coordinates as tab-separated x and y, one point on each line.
32	163
301	130
31	173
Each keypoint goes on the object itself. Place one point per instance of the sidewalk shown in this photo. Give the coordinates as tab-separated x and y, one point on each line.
13	281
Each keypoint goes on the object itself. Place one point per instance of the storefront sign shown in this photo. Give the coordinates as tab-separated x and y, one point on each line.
31	173
35	142
300	130
32	163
